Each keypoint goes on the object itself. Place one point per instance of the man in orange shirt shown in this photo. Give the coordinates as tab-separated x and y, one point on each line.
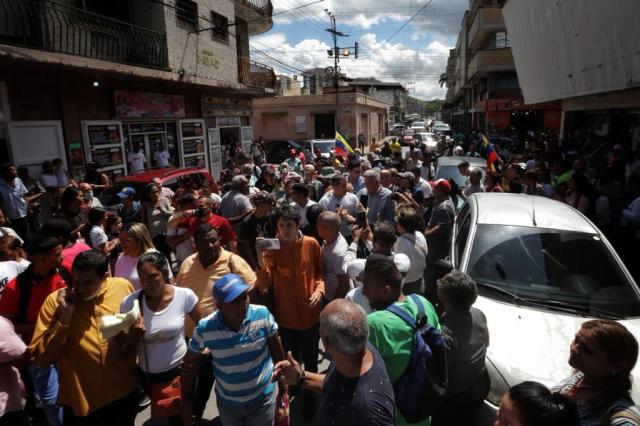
21	301
295	273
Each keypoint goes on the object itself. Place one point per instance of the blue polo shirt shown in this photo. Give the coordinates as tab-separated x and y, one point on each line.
12	198
241	360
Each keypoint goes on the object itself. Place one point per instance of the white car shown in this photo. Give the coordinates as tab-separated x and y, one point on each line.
427	138
325	146
542	269
419	126
440	127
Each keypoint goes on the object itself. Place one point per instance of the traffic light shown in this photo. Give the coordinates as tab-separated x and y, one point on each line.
356	49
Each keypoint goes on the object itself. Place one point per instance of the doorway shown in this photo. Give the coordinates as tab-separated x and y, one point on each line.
153	137
325	126
230	141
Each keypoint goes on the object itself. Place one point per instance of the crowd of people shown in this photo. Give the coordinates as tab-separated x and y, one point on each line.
243	287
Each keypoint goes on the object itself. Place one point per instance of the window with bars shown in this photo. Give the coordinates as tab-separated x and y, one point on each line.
187	14
219	27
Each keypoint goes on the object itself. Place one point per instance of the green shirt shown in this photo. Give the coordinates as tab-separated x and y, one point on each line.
393	338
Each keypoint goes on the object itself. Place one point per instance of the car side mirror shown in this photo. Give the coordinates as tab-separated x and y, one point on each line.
442	267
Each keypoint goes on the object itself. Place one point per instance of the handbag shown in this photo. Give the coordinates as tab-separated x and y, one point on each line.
166	396
282	410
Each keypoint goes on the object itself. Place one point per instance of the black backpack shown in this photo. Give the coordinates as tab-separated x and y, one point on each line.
420	390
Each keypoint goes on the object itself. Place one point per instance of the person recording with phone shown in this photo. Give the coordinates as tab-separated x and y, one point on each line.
295	273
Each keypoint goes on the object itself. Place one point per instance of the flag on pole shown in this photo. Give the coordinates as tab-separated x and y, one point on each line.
342	146
491	154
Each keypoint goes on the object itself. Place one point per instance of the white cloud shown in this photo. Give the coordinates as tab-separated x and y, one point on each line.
419	68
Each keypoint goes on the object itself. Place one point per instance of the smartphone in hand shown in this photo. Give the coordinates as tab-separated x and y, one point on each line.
272	243
364	200
361	219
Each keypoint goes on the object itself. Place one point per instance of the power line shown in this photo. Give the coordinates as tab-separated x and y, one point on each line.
400	29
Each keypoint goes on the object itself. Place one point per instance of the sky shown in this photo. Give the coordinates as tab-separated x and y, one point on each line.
415	57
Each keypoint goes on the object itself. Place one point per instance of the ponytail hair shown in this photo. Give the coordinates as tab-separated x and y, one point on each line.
536	405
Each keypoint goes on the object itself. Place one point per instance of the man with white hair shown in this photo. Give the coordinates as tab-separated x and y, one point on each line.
356	370
334	249
310	179
377	199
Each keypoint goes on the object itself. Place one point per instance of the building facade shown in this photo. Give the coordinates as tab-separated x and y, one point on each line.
89	80
483	91
393	94
314	117
592	70
287	86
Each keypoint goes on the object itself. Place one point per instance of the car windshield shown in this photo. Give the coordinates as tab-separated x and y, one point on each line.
324	147
552	266
451	172
110	197
277	152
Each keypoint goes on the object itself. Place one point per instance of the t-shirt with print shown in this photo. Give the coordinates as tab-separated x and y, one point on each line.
41	287
97	236
10	269
241	359
354	401
164	330
394	338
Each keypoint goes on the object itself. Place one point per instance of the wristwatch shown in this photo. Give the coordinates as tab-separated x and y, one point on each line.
303	377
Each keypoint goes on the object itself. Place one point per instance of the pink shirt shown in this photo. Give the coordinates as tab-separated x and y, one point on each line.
11	387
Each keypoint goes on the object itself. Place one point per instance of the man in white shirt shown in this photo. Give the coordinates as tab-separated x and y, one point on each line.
161	157
340	200
334	249
136	159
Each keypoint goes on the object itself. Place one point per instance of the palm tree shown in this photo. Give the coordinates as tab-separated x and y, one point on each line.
443	79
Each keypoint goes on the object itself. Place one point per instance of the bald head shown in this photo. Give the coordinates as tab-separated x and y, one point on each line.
330	219
84	187
344	328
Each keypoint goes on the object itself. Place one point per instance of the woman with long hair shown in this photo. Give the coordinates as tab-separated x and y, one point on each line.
577	194
135	241
158	334
603	353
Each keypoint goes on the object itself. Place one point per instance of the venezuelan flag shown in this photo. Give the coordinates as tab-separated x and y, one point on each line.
342	146
491	154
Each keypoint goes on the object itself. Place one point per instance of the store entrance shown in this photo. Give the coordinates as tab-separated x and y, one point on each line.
156	140
230	141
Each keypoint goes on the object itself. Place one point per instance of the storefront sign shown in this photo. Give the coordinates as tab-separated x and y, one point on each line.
148	105
228	121
214	107
208	59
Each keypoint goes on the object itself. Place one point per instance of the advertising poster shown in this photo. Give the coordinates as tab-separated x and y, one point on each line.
142	104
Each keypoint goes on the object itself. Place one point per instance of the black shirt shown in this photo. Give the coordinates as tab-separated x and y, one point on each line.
365	400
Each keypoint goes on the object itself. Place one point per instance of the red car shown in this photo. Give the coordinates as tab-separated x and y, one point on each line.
170	178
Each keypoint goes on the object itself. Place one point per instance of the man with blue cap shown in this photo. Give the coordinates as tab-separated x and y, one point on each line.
242	339
129	209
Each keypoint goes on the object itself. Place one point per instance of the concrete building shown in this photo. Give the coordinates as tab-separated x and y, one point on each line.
85	81
592	70
287	86
391	93
308	117
482	84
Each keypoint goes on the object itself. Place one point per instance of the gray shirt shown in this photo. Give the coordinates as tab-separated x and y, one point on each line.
381	206
234	204
444	213
349	202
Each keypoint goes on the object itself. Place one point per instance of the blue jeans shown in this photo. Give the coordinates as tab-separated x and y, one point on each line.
260	414
45	383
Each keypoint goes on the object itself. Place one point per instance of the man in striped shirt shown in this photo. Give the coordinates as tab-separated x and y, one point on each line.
242	339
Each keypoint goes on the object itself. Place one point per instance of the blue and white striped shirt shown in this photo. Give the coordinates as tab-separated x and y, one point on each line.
241	360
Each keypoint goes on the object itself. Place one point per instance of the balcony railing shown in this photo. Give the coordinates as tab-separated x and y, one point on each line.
54	27
257	13
490	60
255	74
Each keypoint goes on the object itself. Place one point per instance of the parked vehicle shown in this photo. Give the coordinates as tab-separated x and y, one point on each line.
278	150
427	138
542	269
169	177
441	128
419	126
325	146
396	129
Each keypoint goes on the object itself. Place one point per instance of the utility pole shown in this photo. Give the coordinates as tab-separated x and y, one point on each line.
336	58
